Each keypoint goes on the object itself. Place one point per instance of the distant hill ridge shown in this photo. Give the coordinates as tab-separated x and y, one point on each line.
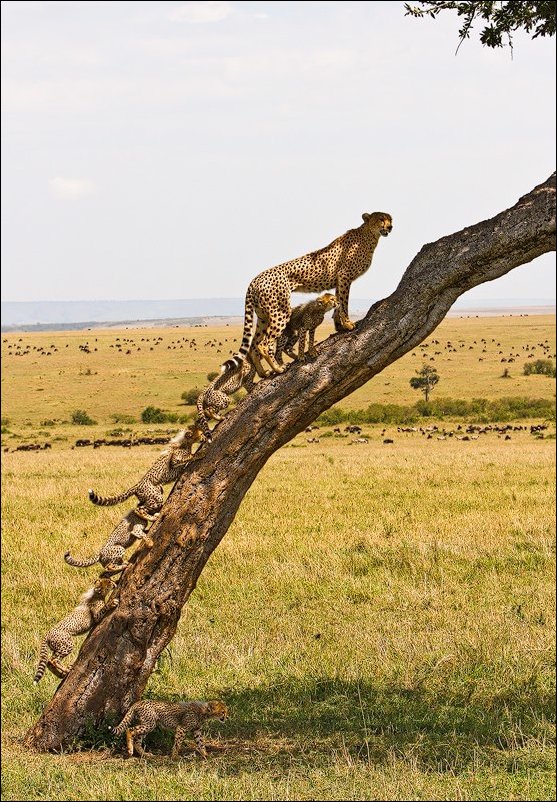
33	312
48	315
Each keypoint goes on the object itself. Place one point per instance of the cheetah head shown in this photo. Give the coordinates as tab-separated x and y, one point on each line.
104	586
379	220
327	301
188	437
196	433
217	709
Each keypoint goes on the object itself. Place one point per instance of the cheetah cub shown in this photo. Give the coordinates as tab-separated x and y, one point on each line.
90	610
215	398
130	529
304	319
167	468
183	717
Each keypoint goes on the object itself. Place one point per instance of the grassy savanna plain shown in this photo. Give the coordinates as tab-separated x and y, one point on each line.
380	618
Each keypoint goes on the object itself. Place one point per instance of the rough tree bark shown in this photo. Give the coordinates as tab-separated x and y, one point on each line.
118	656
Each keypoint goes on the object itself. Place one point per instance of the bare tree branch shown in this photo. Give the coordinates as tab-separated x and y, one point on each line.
118	656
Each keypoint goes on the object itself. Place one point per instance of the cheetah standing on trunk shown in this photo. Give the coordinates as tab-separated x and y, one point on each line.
304	319
59	640
183	717
335	266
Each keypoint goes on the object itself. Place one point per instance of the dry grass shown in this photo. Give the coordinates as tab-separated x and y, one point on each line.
380	619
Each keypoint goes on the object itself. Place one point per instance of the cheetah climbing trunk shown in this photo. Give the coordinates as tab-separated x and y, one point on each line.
119	654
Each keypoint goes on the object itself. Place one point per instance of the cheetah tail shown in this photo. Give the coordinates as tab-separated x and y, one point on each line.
247	337
81	563
43	660
124	723
202	421
108	501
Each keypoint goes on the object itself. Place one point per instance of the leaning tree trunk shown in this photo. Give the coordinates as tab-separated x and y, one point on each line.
118	656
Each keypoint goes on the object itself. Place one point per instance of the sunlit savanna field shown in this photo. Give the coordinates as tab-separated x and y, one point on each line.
379	618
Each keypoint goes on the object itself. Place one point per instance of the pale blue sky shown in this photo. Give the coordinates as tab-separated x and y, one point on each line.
157	150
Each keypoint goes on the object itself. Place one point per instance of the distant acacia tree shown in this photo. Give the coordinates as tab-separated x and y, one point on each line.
502	18
425	381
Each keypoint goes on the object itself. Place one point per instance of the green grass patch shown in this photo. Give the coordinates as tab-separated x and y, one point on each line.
477	410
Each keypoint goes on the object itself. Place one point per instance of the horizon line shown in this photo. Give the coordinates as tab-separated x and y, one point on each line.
516	301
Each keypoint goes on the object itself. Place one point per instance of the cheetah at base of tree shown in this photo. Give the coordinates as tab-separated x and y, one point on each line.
334	267
167	468
304	319
215	398
128	531
183	717
90	610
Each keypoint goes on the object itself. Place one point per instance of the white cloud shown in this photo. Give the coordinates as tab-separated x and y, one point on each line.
211	11
70	188
40	53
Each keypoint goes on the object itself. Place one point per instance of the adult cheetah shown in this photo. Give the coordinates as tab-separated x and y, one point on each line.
334	267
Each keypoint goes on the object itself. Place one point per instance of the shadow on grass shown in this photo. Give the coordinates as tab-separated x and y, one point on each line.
315	722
